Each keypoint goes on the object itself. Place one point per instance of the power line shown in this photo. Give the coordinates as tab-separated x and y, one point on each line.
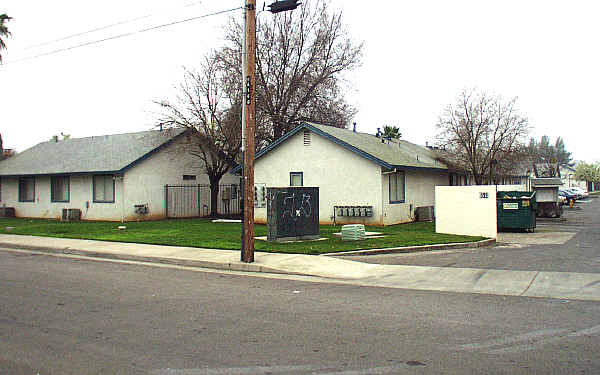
99	28
88	31
121	35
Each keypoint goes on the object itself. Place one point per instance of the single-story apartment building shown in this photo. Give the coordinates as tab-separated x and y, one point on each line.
110	177
380	181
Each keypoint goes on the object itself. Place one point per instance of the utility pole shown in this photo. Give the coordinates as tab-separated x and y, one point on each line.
249	119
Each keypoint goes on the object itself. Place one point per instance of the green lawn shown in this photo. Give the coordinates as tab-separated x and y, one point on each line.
204	233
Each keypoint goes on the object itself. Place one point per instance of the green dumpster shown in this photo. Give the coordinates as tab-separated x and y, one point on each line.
516	210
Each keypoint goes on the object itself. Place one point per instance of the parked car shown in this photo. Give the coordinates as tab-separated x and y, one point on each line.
569	196
574	192
582	192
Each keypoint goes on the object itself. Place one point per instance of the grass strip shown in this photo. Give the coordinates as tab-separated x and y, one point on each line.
203	233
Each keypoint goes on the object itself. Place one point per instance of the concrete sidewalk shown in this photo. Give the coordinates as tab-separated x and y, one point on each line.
578	286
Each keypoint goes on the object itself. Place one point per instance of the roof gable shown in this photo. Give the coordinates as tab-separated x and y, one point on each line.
398	154
98	154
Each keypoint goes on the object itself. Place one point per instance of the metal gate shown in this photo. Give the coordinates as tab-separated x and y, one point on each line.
185	201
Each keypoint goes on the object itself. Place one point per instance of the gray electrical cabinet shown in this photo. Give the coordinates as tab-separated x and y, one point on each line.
292	213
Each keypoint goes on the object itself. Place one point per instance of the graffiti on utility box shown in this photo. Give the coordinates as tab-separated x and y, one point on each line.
292	213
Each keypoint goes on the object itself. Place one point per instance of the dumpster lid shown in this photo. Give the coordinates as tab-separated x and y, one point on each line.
515	195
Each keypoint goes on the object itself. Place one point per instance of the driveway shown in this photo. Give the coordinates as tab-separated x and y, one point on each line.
567	245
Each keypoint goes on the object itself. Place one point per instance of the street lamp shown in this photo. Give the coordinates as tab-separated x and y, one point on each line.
284	5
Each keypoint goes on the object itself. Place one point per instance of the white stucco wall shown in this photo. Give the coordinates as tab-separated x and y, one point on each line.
144	183
462	210
419	191
343	178
80	193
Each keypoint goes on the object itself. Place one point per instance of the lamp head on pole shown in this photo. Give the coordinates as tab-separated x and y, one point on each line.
283	5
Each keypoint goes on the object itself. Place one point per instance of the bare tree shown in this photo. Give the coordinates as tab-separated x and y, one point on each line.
209	106
483	133
300	62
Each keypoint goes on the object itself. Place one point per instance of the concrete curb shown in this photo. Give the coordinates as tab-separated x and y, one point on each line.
415	249
227	266
564	285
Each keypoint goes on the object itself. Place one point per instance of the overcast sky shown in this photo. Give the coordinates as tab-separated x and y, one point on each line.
418	56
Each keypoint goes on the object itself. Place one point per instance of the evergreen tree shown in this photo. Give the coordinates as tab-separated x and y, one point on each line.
4	33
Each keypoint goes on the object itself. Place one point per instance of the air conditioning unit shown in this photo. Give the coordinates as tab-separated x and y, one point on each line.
425	213
71	214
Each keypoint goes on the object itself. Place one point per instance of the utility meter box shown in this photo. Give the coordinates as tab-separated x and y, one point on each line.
292	213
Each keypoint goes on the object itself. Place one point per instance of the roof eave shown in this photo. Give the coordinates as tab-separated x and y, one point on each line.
416	168
152	152
84	173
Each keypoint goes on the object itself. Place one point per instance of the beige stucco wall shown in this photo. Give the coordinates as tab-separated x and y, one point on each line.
419	191
461	210
343	178
144	183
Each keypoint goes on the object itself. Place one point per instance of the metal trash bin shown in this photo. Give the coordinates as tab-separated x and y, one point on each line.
516	210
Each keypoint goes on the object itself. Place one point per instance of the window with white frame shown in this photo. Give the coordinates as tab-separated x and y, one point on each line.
59	189
27	189
397	184
104	188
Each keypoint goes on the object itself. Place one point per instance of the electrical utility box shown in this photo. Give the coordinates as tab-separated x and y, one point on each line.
292	213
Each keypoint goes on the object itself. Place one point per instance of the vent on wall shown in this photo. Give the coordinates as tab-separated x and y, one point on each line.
307	138
71	214
425	213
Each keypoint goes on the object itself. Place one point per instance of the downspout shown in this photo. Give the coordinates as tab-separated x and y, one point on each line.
382	195
123	198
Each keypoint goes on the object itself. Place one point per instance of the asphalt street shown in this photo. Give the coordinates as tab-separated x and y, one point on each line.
65	314
572	245
73	316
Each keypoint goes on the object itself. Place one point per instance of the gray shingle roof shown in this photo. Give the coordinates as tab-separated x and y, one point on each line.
98	154
395	153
